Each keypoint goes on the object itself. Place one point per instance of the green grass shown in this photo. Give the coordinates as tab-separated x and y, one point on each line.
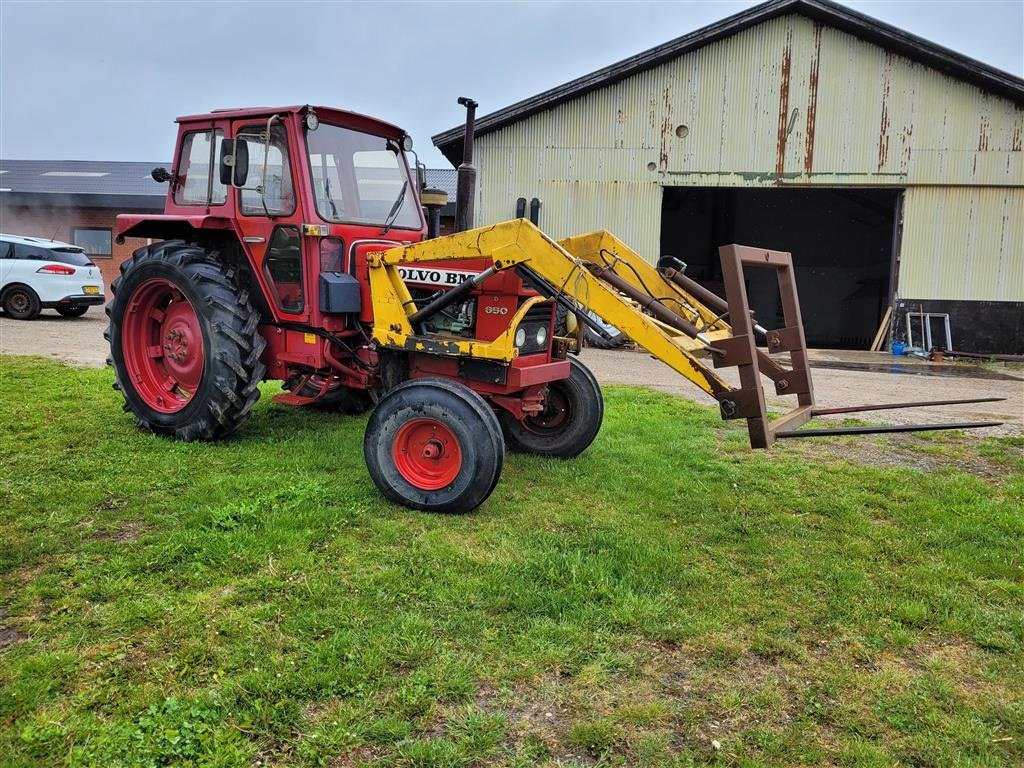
669	599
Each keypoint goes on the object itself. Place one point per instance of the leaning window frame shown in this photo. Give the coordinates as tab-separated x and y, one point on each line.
110	238
357	222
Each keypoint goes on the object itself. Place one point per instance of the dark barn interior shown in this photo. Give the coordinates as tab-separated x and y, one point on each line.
842	242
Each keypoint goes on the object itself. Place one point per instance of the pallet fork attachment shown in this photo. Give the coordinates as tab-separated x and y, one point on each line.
796	380
663	311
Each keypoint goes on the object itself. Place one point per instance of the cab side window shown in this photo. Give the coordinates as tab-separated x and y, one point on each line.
195	163
6	250
282	266
277	195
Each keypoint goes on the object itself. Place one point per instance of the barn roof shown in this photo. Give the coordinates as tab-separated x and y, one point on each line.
115	184
831	14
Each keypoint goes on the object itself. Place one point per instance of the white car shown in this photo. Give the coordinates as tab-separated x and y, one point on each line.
38	274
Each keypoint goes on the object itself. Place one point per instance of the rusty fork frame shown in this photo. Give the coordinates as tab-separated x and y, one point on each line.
740	351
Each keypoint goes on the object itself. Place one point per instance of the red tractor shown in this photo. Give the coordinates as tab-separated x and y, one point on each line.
293	247
261	273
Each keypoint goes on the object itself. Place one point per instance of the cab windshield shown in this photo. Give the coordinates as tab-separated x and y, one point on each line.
359	178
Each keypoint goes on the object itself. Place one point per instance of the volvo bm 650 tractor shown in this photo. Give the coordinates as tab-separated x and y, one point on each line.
293	247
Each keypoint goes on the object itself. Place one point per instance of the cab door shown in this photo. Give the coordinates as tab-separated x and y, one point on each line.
269	217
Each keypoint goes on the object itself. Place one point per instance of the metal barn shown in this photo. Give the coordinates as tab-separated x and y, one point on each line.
891	168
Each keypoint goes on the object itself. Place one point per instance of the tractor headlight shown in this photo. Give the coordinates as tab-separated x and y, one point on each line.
532	337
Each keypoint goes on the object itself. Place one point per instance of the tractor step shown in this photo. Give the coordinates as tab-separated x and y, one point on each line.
315	386
290	398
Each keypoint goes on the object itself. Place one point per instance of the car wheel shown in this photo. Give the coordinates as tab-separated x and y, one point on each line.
20	302
71	311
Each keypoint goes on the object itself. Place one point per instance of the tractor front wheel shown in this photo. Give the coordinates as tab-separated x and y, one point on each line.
435	445
572	416
184	342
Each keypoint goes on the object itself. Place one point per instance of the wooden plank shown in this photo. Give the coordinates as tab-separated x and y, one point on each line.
883	330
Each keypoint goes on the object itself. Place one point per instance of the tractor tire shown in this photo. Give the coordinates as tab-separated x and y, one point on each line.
184	342
71	311
565	322
594	339
435	445
347	400
20	302
572	416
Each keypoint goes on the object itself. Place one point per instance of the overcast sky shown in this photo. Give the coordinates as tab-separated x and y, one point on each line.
104	81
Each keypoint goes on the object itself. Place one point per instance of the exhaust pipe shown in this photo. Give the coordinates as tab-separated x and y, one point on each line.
466	191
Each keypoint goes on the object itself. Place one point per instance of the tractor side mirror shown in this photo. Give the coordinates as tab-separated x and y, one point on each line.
234	162
421	176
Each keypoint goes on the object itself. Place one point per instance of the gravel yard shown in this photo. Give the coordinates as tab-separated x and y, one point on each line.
80	342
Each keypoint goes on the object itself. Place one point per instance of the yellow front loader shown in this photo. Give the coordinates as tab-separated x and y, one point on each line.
690	329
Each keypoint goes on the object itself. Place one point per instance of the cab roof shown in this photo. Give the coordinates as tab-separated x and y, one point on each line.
330	114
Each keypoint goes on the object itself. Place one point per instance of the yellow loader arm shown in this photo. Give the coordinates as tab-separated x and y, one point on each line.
520	243
663	311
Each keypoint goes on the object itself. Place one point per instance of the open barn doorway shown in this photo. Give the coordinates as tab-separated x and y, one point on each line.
842	241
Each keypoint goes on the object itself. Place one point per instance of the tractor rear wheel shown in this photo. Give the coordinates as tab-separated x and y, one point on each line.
572	416
435	445
184	342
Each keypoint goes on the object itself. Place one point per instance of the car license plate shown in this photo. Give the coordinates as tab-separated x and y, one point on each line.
92	290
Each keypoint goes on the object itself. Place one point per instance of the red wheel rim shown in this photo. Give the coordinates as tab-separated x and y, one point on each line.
427	454
162	344
556	414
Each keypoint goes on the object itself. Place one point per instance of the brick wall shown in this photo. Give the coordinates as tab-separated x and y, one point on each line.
58	223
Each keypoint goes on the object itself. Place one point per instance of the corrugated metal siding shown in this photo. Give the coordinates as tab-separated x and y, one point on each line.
963	243
786	102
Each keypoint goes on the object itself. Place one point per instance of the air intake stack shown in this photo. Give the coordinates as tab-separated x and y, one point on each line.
466	191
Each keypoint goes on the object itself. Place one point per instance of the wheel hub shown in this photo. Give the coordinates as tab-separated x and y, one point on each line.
557	412
427	454
162	342
177	345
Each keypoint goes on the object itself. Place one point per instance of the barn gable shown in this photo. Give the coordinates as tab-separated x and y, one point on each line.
914	153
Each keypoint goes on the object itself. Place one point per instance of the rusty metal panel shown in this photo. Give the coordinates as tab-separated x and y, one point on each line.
789	101
963	243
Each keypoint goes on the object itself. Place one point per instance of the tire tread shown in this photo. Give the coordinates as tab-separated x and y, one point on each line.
236	367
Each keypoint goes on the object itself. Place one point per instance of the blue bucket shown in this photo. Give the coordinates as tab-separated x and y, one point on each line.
899	348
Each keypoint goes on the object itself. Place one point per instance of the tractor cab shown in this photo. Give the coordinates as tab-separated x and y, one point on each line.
301	188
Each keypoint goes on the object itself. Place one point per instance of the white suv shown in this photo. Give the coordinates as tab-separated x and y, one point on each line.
38	274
